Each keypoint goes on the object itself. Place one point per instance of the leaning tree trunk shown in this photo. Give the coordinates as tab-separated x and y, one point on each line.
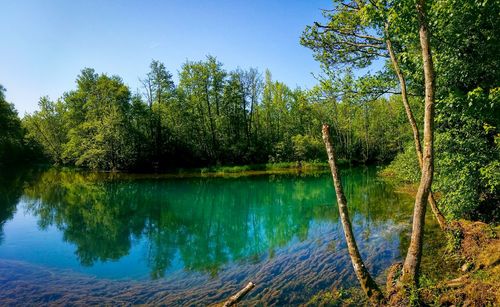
411	119
411	265
416	135
367	283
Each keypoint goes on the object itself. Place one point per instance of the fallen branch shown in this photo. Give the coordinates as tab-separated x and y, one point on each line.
238	296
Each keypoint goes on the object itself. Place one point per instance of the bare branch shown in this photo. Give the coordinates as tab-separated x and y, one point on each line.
360	45
363	36
349	6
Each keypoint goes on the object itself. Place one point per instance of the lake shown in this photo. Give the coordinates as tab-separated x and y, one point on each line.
71	237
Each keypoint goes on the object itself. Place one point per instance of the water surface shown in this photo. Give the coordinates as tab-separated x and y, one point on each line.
71	237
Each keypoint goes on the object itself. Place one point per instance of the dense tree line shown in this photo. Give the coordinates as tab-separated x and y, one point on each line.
211	117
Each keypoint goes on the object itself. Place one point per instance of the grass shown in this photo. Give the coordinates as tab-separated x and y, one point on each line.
260	168
339	297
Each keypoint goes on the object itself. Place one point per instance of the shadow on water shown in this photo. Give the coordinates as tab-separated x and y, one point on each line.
203	237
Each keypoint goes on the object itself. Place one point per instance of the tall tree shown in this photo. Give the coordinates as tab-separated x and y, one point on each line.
413	258
252	83
47	127
358	33
100	137
202	86
369	286
159	90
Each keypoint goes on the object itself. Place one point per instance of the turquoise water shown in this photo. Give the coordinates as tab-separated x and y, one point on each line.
194	240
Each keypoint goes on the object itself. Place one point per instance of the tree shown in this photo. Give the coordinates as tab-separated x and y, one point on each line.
99	139
202	87
233	122
212	117
369	286
467	112
11	138
468	109
355	36
46	126
159	90
411	264
252	84
358	33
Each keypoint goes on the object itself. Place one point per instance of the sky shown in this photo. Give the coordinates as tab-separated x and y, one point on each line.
46	43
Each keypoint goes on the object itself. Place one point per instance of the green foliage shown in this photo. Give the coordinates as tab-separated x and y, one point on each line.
212	118
306	148
404	168
413	297
46	127
465	40
490	175
351	36
458	173
367	128
14	148
454	240
466	152
338	297
101	139
11	135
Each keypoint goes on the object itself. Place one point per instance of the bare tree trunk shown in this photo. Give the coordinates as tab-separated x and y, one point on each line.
159	93
367	283
411	265
416	135
211	122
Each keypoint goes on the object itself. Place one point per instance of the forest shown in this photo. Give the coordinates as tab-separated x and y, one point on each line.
414	90
212	117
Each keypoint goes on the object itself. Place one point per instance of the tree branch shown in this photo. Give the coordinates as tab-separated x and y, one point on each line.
363	36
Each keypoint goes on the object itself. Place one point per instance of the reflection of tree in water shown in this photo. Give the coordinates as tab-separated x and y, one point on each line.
205	222
11	189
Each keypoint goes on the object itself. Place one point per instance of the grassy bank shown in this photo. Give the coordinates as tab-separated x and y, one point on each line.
475	279
256	169
314	165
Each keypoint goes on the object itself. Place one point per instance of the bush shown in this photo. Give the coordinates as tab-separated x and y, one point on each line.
404	168
467	155
306	148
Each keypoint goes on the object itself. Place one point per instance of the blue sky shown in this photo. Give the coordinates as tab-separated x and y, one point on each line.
45	43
